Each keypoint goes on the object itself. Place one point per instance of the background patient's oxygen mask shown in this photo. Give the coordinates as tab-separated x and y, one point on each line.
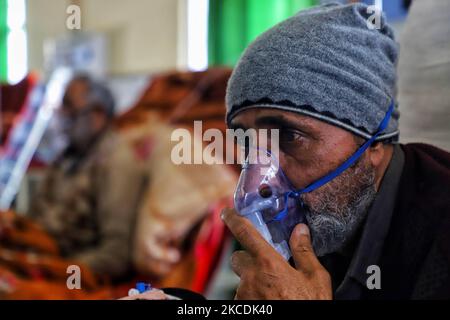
264	196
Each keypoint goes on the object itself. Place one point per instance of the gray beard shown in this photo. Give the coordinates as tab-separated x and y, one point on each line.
333	227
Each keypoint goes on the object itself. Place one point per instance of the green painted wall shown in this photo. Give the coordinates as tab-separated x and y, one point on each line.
3	41
233	24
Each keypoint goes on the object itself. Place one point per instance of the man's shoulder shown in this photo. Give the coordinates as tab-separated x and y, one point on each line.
113	150
432	158
424	192
421	220
113	141
426	169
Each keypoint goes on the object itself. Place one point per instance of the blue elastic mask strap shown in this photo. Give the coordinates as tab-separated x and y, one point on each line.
348	163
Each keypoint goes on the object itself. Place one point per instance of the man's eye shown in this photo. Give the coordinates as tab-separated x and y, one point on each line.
289	136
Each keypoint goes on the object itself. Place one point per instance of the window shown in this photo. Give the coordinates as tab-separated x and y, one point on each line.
13	41
3	39
197	35
233	24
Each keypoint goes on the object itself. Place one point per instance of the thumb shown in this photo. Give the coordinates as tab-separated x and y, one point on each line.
302	251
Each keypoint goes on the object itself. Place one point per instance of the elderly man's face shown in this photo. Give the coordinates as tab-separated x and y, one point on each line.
309	149
83	122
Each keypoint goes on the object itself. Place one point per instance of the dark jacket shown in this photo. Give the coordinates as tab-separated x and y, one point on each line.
415	262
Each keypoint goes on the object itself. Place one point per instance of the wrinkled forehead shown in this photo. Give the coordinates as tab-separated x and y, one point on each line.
256	118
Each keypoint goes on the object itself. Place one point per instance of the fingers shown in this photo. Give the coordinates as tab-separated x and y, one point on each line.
240	261
302	251
246	234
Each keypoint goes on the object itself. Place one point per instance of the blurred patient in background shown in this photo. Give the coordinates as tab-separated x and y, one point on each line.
89	194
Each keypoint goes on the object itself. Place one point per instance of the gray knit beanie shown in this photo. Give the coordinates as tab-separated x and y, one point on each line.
325	63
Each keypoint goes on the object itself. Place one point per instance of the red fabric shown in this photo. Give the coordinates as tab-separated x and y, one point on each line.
209	247
12	101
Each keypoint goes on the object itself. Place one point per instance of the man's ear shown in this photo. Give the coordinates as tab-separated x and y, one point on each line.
380	155
376	154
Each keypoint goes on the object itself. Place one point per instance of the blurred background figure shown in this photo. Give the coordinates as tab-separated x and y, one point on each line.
87	198
424	74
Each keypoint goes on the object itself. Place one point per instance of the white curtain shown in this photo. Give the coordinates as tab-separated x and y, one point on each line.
424	74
